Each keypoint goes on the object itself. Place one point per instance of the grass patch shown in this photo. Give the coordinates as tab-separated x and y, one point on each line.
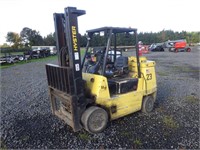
171	98
84	136
125	133
191	99
184	69
82	51
13	53
162	73
137	143
170	122
181	79
3	66
2	145
160	109
24	138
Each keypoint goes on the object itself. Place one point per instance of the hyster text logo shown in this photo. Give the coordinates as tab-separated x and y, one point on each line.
74	38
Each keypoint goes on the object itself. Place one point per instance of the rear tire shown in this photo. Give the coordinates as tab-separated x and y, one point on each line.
147	104
188	50
94	119
171	49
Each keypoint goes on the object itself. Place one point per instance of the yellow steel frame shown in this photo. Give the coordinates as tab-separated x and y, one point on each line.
129	102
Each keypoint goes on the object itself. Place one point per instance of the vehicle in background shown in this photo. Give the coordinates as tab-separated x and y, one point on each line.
93	53
143	49
36	53
169	44
9	58
179	46
53	50
39	53
156	47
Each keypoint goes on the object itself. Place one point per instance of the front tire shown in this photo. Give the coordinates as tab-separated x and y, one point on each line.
94	119
147	104
176	50
21	58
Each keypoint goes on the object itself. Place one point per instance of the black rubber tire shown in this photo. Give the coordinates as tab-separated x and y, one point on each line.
188	49
176	50
94	119
21	58
171	49
147	104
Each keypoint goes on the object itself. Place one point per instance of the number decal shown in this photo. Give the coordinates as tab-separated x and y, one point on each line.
149	76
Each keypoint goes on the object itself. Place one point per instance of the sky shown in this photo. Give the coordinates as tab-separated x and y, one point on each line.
145	15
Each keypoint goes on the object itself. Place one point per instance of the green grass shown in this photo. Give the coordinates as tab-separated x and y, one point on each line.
171	98
28	61
13	53
160	109
3	66
125	133
82	51
2	145
84	136
170	122
192	99
162	73
184	69
137	142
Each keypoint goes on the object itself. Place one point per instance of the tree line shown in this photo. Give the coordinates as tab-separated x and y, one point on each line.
29	37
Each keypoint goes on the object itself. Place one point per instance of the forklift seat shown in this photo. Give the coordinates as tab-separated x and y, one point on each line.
121	63
120	67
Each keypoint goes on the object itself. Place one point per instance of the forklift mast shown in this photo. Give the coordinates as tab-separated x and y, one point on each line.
65	82
67	40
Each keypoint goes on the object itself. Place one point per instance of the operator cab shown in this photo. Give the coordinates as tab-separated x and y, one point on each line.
108	60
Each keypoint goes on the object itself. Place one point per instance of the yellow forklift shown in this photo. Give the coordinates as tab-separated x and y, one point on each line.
87	92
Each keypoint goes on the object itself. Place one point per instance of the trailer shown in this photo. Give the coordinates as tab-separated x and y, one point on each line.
10	58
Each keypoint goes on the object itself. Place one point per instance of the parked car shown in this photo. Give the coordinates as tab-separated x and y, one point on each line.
37	53
156	47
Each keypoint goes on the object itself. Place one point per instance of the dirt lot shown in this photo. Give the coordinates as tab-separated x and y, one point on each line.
26	120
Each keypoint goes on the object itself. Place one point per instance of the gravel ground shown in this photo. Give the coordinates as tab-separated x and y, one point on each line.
26	120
